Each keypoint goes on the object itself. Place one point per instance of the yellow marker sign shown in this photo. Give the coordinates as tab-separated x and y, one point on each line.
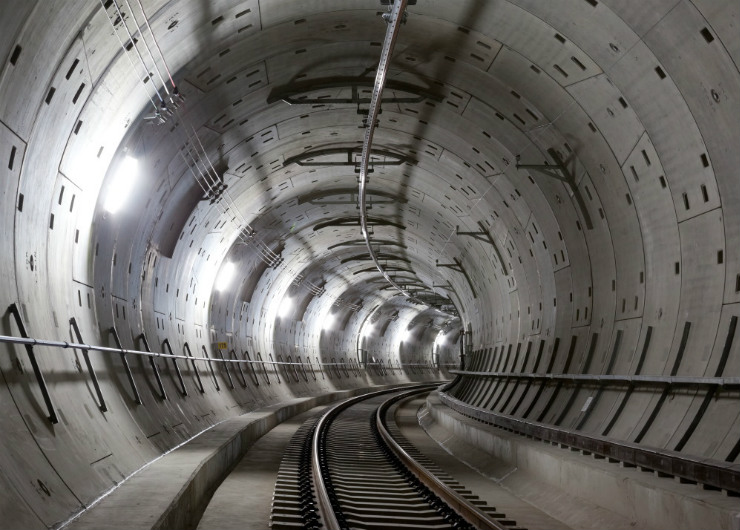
222	345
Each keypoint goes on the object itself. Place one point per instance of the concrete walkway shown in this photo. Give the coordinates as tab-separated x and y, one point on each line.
244	498
525	515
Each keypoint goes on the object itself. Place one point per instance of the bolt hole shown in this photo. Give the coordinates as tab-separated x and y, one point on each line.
44	488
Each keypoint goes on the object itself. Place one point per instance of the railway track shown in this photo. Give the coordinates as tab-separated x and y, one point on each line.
351	468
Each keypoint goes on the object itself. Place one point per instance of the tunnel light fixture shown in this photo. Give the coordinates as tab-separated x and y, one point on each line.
367	330
121	184
406	335
328	322
285	307
440	339
225	276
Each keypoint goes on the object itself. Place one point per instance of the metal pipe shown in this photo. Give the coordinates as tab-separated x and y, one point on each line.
133	44
146	45
28	341
133	66
157	45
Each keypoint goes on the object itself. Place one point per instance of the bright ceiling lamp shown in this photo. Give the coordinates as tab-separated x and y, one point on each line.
440	339
406	335
328	322
285	307
225	276
368	330
121	184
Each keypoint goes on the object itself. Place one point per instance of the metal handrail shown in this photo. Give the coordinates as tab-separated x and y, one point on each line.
28	341
597	378
714	473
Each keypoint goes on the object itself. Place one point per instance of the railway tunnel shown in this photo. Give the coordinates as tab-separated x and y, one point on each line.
545	218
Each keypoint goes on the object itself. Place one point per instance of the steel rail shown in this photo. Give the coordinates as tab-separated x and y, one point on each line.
319	468
453	499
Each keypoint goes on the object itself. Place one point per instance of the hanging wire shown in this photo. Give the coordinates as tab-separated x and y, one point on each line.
133	44
156	44
146	45
125	52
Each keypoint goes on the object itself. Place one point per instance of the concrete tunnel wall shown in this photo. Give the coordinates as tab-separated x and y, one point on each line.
641	97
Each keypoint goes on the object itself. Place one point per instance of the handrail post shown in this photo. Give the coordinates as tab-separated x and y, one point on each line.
35	365
90	368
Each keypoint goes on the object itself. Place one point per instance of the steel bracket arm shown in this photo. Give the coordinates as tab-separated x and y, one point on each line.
561	172
485	236
457	267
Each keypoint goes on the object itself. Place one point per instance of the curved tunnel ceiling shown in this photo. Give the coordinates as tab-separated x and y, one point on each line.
543	170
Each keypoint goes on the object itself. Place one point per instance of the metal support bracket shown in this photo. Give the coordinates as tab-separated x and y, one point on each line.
90	369
186	348
183	390
378	158
457	267
155	368
228	370
124	360
561	172
485	236
291	93
210	366
232	355
13	309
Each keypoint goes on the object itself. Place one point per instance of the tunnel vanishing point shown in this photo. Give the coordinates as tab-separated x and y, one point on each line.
546	213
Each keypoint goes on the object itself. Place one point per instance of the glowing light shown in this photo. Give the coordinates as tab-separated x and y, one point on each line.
406	335
121	184
225	276
285	307
368	330
440	339
328	322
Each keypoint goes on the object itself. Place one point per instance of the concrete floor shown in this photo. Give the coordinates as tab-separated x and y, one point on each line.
244	499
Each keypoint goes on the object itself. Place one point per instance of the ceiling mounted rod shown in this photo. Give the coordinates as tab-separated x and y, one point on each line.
394	24
394	19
